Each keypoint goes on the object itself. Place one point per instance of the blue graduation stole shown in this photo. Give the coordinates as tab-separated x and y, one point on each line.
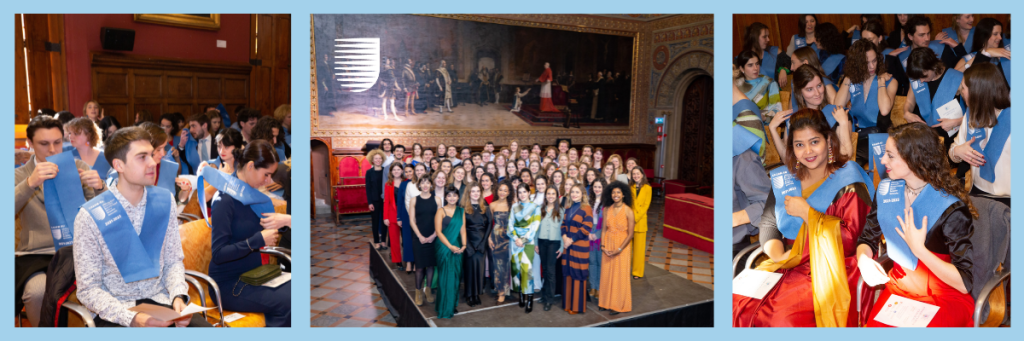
191	153
785	184
66	146
743	140
935	45
101	166
225	120
280	153
854	37
947	90
886	51
137	255
994	148
865	114
745	104
801	42
876	146
236	188
768	62
831	63
62	197
970	37
929	203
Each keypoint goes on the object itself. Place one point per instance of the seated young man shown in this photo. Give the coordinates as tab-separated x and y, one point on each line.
136	256
35	246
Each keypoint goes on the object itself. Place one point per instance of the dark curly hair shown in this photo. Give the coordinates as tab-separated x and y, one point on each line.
264	130
921	149
857	61
606	197
829	39
508	199
815	120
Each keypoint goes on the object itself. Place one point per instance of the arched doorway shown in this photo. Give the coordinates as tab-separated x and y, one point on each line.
320	168
696	132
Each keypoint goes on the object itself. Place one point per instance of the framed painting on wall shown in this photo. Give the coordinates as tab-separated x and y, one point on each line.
197	21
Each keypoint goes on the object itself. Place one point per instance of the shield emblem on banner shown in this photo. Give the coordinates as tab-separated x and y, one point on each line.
357	63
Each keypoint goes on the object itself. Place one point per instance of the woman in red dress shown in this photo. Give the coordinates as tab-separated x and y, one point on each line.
943	275
391	211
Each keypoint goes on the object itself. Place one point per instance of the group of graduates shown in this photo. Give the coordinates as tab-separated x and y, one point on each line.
100	206
816	215
557	221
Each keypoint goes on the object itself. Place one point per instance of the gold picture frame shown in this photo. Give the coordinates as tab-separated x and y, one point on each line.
209	22
639	31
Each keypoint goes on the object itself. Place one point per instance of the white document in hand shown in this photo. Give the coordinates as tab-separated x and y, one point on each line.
900	311
755	283
951	110
871	271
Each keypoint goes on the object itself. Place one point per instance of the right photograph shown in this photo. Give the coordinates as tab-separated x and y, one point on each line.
871	170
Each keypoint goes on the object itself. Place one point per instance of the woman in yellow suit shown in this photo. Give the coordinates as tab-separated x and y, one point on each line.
641	191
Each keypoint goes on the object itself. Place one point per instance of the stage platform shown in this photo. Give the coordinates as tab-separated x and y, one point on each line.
661	299
531	114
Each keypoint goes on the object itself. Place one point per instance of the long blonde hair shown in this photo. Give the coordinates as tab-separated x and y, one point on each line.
467	203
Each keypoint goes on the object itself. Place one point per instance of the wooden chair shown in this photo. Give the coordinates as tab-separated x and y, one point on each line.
195	242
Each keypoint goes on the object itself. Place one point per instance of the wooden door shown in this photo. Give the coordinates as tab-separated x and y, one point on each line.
270	54
40	69
696	147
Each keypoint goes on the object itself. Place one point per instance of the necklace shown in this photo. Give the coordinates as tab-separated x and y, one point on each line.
915	191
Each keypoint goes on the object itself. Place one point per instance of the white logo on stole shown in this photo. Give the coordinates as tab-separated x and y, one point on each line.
98	212
853	89
56	234
883	187
778	181
357	63
878	149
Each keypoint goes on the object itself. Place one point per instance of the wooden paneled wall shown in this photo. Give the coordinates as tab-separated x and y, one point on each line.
44	78
782	27
126	84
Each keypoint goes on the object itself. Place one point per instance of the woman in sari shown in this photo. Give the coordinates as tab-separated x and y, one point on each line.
760	89
579	220
616	249
933	263
498	241
525	224
810	238
450	225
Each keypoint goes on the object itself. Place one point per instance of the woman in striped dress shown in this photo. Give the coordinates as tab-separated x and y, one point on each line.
579	220
525	223
617	235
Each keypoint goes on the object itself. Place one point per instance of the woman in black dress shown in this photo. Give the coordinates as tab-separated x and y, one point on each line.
375	197
478	226
423	244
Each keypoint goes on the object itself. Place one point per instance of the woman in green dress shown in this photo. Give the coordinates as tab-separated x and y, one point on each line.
451	234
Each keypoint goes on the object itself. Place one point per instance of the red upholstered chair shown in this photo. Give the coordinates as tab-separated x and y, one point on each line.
689	219
657	182
350	193
677	186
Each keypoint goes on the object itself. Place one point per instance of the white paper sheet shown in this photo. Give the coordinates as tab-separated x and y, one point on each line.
871	271
167	314
904	312
233	317
951	110
282	279
755	283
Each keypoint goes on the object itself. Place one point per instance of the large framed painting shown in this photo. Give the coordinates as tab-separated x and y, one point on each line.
472	77
198	21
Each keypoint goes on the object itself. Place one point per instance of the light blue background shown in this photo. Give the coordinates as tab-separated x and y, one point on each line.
301	11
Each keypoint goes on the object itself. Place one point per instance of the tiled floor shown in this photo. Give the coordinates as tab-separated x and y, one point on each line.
343	295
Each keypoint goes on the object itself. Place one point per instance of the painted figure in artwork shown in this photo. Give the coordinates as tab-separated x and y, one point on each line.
389	89
546	105
411	87
444	83
519	99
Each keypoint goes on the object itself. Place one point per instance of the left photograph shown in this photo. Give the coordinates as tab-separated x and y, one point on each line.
152	170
